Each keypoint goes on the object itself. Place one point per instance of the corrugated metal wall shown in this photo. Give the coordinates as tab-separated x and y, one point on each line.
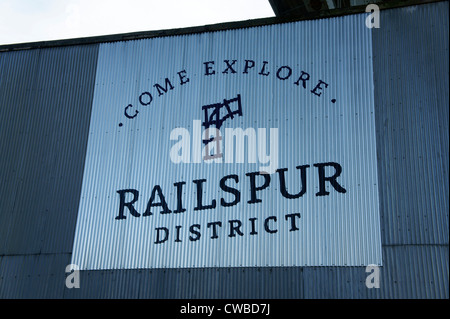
45	107
41	173
411	77
411	104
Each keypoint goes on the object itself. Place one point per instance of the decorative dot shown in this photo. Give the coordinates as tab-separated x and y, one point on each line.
120	124
333	101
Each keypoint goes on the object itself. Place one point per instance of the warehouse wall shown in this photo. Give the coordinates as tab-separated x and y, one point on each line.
46	97
412	111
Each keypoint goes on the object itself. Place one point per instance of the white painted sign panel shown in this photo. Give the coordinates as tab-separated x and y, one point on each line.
239	148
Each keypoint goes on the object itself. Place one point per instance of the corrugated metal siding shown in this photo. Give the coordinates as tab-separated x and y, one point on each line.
409	272
411	76
416	271
413	272
334	230
33	276
204	283
412	109
46	99
412	268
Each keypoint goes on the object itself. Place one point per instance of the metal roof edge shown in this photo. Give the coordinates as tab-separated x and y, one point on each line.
207	28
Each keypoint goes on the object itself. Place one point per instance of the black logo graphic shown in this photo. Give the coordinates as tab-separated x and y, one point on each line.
217	113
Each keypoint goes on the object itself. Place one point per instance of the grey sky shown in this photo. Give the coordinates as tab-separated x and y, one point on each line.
40	20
